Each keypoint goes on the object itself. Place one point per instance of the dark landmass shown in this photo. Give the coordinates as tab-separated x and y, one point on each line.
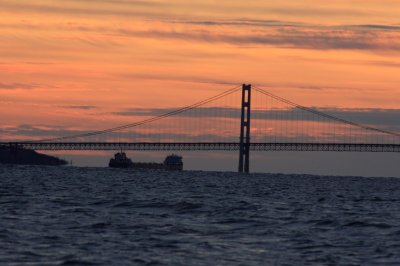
27	157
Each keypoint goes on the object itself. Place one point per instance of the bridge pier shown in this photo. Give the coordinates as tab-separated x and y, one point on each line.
244	149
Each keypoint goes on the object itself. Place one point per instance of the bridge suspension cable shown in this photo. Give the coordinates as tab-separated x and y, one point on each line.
325	115
149	120
262	115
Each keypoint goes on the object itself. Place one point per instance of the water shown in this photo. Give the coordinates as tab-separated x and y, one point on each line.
98	216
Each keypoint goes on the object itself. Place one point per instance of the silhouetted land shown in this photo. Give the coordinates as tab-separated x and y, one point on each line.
28	157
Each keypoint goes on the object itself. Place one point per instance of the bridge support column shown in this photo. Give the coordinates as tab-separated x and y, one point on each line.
244	153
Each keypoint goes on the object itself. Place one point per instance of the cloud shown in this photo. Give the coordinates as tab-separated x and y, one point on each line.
287	38
381	63
241	22
123	2
382	118
15	86
239	32
171	77
89	10
27	132
279	33
80	107
273	132
387	118
154	8
377	27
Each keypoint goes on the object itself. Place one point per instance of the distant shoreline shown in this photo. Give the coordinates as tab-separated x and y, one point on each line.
21	156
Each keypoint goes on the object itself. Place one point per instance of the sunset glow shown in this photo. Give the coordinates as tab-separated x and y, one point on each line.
75	65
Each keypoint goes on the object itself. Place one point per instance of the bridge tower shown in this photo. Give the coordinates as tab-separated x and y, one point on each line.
244	153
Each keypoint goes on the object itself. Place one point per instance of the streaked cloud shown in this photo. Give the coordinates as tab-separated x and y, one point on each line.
330	61
236	31
304	38
253	32
386	118
38	132
179	78
180	8
16	85
80	107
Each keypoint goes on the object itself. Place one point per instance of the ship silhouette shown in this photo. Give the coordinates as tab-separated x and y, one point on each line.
171	162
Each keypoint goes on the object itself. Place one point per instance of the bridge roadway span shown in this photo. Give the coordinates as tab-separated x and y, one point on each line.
204	146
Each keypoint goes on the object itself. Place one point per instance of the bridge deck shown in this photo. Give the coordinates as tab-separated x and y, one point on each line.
205	146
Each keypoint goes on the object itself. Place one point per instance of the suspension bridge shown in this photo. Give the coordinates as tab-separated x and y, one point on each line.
245	118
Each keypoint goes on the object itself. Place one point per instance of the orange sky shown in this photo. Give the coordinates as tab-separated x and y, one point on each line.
74	64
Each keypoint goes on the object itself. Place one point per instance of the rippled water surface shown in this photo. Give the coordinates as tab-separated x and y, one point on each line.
95	216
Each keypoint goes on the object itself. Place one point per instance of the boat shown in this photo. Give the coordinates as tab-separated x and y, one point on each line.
172	162
120	160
